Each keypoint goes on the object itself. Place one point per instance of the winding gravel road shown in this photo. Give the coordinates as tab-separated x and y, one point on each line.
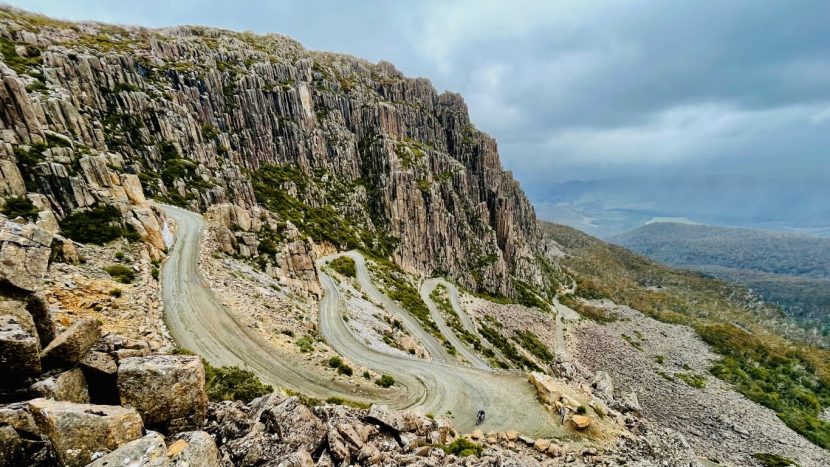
465	351
199	322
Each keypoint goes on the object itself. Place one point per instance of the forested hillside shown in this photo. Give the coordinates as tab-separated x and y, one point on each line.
792	271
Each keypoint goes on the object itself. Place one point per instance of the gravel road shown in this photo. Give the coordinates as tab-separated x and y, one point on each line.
465	351
199	322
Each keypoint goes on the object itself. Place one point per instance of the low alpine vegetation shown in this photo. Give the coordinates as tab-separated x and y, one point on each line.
121	273
462	447
99	225
338	364
344	265
20	206
385	381
231	383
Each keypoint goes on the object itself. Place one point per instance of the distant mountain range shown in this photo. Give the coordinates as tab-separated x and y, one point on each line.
790	270
607	207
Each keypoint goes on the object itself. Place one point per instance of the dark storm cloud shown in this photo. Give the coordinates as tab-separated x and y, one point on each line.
576	89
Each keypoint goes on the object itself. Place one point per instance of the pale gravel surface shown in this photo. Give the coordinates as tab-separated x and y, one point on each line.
717	421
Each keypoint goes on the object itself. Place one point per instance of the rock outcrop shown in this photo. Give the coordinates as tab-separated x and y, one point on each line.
360	155
275	430
73	344
24	254
19	343
168	391
61	380
79	431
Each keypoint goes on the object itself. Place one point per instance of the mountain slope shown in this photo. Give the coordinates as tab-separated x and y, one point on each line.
353	153
784	374
790	270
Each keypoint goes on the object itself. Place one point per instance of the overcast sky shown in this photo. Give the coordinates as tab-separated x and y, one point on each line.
576	89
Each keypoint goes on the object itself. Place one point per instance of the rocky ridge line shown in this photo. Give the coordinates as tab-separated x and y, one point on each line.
192	114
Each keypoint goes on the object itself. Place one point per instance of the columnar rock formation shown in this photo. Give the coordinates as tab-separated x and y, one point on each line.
191	114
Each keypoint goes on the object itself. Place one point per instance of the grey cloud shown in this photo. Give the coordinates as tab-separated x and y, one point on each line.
576	89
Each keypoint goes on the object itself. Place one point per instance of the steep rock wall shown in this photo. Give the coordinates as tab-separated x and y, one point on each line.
195	113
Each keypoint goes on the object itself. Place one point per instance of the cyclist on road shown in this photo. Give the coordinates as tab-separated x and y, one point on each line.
480	417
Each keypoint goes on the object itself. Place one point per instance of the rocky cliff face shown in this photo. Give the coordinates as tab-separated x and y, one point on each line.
352	153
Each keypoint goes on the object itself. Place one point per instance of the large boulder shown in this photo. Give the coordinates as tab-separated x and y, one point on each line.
37	450
188	449
11	447
545	386
24	254
80	431
400	421
100	369
38	308
581	422
603	386
11	181
71	345
67	386
193	448
295	425
148	451
630	403
18	416
168	391
19	344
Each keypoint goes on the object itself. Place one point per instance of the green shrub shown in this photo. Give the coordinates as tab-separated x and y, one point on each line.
528	296
536	347
340	401
636	344
582	410
99	225
230	383
121	273
154	273
463	447
588	311
782	379
385	381
209	131
772	460
321	223
506	348
306	344
338	363
367	375
116	292
20	206
344	265
17	62
439	297
395	285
